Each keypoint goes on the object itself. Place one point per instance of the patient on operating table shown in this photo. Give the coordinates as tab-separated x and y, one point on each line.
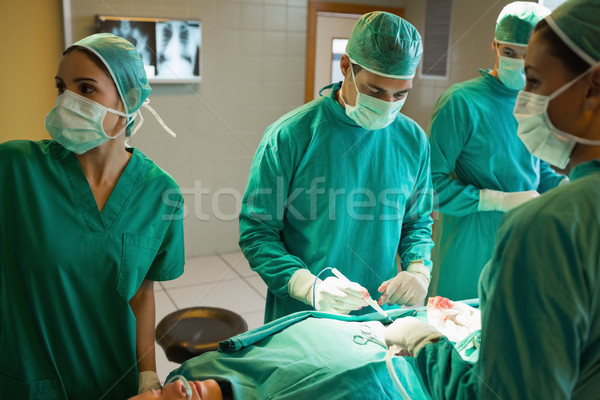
314	353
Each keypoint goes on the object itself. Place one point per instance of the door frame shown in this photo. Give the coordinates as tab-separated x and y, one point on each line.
314	7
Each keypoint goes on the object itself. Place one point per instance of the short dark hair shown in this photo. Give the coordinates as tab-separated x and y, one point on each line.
356	68
573	63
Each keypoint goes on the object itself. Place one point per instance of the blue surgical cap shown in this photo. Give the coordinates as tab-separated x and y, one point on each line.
125	66
386	45
516	21
577	23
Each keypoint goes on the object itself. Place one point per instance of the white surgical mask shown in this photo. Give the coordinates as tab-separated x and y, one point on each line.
75	122
372	113
537	132
511	72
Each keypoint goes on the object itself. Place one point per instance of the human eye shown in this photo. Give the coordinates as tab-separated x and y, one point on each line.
86	88
60	86
531	83
508	52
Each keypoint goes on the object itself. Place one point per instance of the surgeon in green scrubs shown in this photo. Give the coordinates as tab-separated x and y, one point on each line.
344	182
86	226
539	294
480	169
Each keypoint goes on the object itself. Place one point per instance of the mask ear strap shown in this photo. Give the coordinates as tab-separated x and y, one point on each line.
158	118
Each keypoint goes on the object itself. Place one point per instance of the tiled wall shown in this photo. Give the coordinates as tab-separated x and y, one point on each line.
253	54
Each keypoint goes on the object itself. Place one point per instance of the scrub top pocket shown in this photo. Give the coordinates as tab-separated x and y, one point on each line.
14	388
138	254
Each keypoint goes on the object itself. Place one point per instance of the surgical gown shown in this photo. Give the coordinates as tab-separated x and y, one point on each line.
324	192
306	355
539	297
68	271
474	145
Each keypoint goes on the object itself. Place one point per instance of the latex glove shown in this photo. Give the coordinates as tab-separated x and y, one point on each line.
410	334
408	287
148	380
331	295
494	200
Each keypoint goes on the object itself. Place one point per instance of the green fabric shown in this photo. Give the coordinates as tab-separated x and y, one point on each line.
516	22
69	271
354	199
578	21
539	301
125	65
385	44
474	146
306	355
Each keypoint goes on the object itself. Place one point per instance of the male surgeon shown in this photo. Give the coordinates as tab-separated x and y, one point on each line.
480	169
344	182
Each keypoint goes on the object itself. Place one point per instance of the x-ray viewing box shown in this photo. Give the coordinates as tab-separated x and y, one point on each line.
170	48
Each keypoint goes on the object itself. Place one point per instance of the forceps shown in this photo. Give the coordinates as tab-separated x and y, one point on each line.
366	334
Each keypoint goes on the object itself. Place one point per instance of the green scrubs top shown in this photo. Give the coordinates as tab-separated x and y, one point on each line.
474	146
325	192
539	298
68	271
306	355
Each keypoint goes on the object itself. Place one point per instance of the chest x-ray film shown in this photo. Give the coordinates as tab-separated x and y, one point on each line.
169	48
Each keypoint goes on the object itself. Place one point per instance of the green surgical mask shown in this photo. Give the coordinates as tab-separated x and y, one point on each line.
372	113
75	122
511	72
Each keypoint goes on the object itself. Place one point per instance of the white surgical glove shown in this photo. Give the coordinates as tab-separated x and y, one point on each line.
331	295
148	380
408	287
494	200
410	334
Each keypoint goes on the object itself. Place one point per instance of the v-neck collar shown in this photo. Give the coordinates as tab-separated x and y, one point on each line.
82	192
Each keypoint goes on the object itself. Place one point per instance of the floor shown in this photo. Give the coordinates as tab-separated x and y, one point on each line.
221	280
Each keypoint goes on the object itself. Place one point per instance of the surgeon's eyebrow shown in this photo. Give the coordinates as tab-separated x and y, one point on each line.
58	78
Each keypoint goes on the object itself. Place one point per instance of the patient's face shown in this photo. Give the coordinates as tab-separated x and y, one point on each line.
201	390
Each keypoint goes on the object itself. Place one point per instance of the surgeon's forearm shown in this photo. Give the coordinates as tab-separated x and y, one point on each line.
143	307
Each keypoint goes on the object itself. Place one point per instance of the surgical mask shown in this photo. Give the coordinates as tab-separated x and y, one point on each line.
538	134
75	122
511	72
372	113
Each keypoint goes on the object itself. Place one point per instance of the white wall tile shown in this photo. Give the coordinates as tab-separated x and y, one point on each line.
296	19
228	15
252	16
275	17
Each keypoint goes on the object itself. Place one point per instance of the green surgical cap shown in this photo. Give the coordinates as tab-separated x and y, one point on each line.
516	22
577	23
386	45
124	64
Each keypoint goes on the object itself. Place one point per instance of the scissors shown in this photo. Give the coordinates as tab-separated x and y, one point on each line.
366	334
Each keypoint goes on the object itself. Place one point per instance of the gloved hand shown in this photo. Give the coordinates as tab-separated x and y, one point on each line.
494	200
410	334
331	295
408	287
148	380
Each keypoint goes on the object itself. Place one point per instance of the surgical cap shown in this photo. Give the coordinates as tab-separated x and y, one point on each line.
386	45
577	23
516	22
125	66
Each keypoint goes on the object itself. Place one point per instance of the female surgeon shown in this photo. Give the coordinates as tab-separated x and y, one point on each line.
479	167
540	293
86	226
